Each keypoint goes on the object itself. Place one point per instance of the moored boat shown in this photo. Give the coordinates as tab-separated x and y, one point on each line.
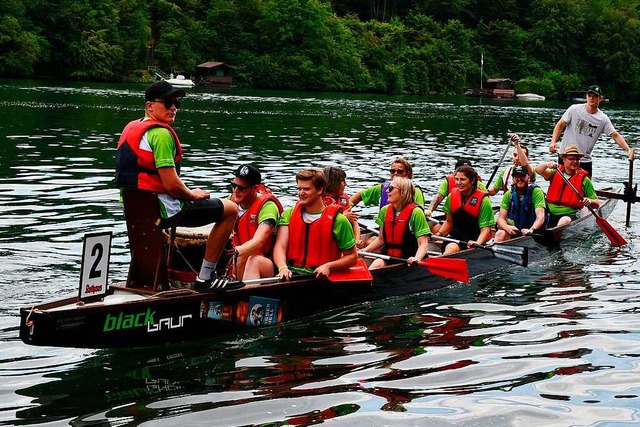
530	97
141	316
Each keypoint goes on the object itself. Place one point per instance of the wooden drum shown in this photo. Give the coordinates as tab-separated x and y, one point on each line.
187	252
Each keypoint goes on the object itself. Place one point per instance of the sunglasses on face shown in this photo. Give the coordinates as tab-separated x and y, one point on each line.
168	103
573	158
240	188
390	188
396	171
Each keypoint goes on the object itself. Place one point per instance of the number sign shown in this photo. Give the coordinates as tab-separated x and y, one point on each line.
95	265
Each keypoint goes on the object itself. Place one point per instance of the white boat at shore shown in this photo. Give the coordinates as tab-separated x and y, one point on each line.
180	81
529	97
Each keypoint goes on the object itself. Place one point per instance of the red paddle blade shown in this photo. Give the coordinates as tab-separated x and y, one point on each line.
450	268
614	237
359	272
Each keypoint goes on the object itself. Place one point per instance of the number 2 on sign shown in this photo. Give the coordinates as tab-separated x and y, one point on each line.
95	265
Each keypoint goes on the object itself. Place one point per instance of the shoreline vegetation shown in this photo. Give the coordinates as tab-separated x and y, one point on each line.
419	47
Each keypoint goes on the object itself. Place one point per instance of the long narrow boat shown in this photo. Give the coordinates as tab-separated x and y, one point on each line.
131	317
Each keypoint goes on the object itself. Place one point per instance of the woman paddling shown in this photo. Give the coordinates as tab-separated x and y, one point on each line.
468	211
404	231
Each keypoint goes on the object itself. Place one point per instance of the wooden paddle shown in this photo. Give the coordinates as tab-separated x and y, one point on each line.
513	254
495	169
614	237
450	268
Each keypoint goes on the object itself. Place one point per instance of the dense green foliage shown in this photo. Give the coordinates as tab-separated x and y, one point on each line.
391	46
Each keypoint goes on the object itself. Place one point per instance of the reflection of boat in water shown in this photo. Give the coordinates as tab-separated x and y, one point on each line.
180	81
530	97
130	316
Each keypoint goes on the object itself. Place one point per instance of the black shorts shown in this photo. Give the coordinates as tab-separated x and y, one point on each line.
196	213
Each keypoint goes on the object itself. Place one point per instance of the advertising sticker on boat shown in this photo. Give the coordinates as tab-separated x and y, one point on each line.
95	265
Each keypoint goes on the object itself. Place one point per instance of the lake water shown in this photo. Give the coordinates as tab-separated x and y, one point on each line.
555	344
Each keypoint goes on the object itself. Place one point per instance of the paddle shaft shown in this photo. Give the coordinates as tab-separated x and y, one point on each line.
630	190
495	169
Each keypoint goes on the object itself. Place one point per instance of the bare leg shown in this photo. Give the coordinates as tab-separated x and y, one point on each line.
501	236
378	263
258	267
221	231
564	220
451	248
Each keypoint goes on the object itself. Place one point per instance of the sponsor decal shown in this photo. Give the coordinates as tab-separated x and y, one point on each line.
169	323
262	311
128	321
216	310
122	321
473	201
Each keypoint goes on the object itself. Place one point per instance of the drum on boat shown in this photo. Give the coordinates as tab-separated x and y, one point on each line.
187	252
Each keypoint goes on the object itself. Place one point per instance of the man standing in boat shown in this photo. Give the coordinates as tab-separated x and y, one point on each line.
258	214
313	237
584	124
523	207
562	201
148	158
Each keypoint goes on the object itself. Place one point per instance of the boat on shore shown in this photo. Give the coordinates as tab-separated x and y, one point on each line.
180	81
529	97
143	316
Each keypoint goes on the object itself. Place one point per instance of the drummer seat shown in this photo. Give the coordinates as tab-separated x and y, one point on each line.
148	266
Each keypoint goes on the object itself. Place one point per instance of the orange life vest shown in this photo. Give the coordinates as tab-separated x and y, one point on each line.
135	167
465	216
247	224
559	192
342	200
311	245
399	241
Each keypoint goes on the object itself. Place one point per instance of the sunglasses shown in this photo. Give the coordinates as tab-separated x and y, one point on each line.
390	188
167	103
240	188
396	171
572	158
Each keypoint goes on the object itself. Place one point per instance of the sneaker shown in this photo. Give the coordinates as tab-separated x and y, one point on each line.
216	282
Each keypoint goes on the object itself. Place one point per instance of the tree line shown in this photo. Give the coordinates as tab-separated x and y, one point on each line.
418	47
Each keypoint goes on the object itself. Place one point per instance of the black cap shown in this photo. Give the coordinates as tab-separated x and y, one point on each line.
249	173
595	89
519	170
463	162
162	90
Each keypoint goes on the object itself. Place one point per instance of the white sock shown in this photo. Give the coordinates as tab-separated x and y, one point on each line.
207	270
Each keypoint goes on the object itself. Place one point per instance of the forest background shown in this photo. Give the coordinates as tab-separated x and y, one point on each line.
423	47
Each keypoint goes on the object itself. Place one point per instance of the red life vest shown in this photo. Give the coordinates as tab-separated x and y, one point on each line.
247	224
505	179
135	167
559	193
451	183
311	245
465	217
342	201
399	241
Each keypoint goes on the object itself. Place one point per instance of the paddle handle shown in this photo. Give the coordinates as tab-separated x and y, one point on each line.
460	242
384	257
495	169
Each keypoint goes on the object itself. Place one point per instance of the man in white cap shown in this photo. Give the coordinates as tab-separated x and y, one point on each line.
562	201
148	158
584	124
